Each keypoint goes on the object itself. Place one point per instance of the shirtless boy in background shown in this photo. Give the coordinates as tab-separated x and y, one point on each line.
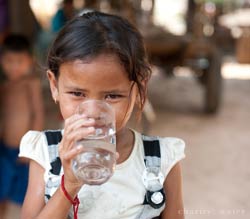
21	110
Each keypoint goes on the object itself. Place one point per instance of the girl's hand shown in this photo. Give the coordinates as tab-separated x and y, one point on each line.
76	128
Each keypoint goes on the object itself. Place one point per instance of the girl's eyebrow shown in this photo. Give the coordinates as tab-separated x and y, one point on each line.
122	91
115	91
75	88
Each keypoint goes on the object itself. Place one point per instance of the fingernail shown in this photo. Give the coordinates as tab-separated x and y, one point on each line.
80	115
91	129
79	147
77	116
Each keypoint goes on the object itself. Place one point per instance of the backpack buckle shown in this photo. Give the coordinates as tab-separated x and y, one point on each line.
153	181
155	199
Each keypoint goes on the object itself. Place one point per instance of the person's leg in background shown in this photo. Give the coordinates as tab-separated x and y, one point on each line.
13	183
3	205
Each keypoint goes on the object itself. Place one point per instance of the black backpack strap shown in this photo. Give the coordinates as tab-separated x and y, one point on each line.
54	137
151	151
152	158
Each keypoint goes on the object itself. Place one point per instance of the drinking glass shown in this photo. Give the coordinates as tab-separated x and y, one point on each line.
96	162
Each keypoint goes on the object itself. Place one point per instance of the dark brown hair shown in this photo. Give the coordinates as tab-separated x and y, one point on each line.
95	33
16	43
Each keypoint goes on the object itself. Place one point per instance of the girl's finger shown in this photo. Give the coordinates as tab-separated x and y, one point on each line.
73	118
117	155
81	122
67	156
80	133
65	145
70	139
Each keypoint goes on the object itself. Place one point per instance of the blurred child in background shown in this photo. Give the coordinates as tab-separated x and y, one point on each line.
21	110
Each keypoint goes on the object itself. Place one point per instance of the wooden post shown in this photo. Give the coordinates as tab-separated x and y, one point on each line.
22	19
190	15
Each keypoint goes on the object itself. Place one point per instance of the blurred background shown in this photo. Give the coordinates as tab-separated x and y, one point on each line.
199	91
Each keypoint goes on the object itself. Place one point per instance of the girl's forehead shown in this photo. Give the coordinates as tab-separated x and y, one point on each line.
104	70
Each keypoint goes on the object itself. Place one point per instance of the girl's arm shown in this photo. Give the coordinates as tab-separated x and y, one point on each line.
34	206
34	199
76	127
173	189
37	104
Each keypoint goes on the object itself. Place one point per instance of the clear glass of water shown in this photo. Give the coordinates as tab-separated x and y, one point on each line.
96	162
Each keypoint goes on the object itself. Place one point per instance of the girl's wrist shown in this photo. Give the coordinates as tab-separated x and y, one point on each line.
73	199
72	187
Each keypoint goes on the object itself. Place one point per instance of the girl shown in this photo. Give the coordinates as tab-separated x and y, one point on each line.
100	56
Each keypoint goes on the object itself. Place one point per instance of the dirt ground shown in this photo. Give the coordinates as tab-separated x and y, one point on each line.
215	172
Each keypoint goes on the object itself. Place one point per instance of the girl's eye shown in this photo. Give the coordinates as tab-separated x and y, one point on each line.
77	94
113	96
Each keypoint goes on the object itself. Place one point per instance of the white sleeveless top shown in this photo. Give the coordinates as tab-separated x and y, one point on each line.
123	195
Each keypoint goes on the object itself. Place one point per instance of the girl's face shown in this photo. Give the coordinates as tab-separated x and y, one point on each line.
102	78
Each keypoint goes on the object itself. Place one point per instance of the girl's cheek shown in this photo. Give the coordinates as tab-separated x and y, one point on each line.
122	116
67	107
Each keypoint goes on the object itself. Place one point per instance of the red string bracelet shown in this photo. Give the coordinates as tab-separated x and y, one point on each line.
74	202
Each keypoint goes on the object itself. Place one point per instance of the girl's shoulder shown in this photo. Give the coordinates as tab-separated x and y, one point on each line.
172	150
38	136
173	144
34	145
32	138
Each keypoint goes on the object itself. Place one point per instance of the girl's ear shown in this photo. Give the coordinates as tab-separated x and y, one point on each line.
144	84
141	94
53	85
